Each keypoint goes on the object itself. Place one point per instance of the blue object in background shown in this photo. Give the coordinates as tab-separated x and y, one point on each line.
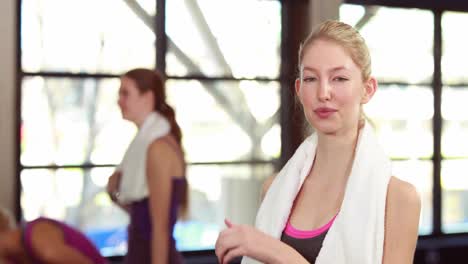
110	242
189	236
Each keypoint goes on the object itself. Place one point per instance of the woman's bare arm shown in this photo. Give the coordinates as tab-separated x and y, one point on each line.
48	244
401	222
160	170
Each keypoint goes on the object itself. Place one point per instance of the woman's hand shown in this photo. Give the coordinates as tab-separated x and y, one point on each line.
244	240
113	185
235	241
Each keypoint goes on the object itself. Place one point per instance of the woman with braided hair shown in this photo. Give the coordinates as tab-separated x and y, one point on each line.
150	181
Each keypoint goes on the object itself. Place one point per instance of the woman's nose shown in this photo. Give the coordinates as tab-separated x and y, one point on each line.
324	91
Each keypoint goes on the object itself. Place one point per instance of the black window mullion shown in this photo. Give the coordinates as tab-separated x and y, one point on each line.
437	124
452	5
91	166
71	75
19	80
294	17
161	38
202	77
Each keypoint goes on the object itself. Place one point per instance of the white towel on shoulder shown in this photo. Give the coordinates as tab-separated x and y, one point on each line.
133	186
357	234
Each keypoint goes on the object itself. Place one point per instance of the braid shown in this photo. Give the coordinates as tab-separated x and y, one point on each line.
168	112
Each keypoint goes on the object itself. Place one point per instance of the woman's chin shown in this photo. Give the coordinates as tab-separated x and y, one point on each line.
325	126
326	130
333	128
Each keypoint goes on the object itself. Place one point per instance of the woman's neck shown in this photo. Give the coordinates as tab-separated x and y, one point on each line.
141	119
335	154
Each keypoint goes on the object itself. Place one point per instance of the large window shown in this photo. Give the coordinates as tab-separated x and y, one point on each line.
72	134
454	142
421	118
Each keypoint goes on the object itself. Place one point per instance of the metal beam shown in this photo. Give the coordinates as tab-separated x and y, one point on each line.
370	12
210	39
148	21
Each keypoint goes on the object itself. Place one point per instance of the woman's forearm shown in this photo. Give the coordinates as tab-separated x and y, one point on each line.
281	253
244	240
160	247
273	251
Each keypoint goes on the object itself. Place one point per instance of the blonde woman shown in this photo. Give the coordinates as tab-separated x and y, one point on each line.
335	201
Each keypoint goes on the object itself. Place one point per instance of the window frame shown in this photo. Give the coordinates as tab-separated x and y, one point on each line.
161	49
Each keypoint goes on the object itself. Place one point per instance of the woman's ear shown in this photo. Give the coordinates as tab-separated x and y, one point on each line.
370	87
149	97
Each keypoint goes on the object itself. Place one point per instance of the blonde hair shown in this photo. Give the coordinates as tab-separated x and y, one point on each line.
345	36
6	220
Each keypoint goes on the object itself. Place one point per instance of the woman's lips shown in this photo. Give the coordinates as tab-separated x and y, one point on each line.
324	112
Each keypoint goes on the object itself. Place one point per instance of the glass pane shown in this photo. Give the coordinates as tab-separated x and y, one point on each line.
405	131
418	173
224	38
454	53
455	126
454	196
84	36
77	197
351	14
398	54
225	120
218	192
148	5
72	121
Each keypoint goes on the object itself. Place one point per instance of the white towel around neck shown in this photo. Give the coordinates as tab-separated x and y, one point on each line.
357	234
133	186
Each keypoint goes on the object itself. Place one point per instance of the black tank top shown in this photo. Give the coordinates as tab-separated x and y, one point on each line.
306	243
309	248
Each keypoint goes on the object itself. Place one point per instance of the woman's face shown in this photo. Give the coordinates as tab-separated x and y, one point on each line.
331	88
133	104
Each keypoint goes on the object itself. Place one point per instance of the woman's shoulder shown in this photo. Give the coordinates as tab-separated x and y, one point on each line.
43	223
41	230
400	190
403	200
266	185
165	155
164	146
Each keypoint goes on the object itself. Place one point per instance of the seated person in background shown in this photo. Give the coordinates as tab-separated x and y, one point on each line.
44	241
